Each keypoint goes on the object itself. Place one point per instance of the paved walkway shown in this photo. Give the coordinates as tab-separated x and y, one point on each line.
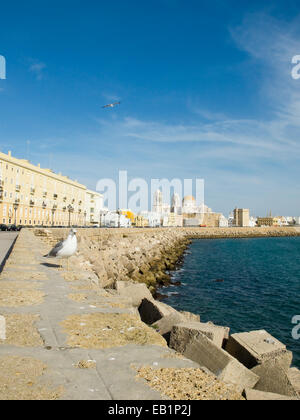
6	241
68	339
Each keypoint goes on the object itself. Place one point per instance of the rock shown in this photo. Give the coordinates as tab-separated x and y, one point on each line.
152	311
184	332
255	347
272	378
136	291
203	351
254	395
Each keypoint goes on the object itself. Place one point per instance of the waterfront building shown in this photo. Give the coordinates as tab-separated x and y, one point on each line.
297	220
231	220
176	204
223	222
141	221
241	217
93	207
266	221
154	219
112	219
252	221
189	206
173	220
158	202
31	195
128	213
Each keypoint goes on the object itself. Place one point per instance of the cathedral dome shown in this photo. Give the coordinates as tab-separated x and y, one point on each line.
189	198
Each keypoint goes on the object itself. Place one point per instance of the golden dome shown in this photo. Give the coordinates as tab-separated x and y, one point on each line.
189	198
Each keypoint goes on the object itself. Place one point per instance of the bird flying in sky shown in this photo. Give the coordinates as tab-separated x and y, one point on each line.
111	105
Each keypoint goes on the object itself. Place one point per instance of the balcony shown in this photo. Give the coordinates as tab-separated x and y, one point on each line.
18	187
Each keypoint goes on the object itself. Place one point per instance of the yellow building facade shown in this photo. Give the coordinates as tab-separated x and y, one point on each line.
31	195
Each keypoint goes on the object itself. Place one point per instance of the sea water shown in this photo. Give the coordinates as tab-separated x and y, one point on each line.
246	284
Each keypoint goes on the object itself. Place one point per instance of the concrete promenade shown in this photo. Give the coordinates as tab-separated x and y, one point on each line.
66	338
6	241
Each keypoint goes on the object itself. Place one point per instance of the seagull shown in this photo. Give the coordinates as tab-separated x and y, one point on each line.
66	248
112	105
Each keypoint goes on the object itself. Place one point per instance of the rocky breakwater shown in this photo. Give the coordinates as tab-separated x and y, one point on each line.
141	255
145	255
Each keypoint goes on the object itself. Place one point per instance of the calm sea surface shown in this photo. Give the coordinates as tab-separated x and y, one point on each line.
260	287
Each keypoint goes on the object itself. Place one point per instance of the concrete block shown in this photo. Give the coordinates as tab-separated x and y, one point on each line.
183	333
255	347
254	395
272	378
165	324
189	316
203	351
294	377
134	291
152	311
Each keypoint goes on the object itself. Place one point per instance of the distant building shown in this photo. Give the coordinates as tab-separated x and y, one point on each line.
223	222
241	217
154	219
114	220
252	221
93	206
31	195
140	221
266	221
173	220
176	204
158	202
297	220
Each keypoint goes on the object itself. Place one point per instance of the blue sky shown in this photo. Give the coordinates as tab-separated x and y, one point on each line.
205	86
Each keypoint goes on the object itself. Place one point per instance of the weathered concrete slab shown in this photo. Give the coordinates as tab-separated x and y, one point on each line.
182	334
189	316
255	347
254	395
152	311
134	291
272	378
203	351
294	377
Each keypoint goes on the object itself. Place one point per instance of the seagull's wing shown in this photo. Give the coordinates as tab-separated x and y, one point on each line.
54	251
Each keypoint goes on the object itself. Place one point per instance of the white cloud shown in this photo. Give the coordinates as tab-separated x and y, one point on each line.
37	68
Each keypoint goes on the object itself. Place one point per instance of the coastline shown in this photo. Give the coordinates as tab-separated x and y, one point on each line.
147	255
100	314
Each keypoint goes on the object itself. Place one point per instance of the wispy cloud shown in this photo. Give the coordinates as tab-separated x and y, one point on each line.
37	68
272	43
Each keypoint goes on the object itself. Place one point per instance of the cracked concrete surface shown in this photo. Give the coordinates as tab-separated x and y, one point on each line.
71	360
